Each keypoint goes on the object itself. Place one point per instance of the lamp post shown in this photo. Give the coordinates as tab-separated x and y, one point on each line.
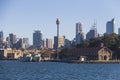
57	22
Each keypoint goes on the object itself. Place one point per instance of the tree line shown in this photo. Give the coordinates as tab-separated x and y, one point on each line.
112	41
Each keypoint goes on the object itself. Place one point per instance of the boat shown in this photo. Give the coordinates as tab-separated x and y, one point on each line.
36	57
27	57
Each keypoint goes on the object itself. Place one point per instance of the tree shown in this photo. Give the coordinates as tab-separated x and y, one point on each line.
83	45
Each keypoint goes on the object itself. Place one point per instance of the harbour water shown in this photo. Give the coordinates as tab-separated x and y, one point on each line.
15	70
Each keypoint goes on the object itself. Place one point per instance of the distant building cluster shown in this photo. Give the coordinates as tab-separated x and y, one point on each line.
13	47
59	41
13	42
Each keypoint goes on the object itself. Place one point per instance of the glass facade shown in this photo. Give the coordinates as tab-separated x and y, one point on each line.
110	26
37	39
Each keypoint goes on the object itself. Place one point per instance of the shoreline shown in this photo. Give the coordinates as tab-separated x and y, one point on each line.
75	61
85	62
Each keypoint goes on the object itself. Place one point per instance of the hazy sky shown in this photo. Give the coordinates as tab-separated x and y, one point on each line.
22	17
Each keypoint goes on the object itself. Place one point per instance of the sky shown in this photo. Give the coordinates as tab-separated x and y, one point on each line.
23	17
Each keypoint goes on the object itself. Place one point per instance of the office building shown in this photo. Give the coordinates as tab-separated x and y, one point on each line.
68	43
20	44
110	27
60	41
49	44
26	42
1	36
92	33
118	31
12	39
79	34
44	43
1	39
37	39
78	28
79	38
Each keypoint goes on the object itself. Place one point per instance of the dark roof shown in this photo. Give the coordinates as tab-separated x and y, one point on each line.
86	49
92	50
82	50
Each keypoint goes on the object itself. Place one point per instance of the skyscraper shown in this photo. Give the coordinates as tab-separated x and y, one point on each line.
78	28
37	39
49	43
12	40
68	43
93	32
79	38
79	33
61	42
110	26
44	43
19	44
1	36
118	31
26	42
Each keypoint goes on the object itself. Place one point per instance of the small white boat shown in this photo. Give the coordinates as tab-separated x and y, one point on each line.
36	57
27	57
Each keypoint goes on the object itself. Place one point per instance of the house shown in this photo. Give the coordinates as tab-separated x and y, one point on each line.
97	53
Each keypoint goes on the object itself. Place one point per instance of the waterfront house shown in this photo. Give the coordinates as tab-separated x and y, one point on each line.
97	53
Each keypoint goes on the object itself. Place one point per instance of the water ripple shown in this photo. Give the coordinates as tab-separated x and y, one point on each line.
15	70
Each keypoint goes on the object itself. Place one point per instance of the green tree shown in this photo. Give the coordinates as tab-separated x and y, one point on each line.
83	45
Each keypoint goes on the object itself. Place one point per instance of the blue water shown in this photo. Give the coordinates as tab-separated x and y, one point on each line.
15	70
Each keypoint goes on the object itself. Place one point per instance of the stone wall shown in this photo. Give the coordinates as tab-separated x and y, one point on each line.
105	54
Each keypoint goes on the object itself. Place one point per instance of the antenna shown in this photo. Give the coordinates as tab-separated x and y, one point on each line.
95	24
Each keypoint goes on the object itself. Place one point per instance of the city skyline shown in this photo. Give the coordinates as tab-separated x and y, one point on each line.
24	16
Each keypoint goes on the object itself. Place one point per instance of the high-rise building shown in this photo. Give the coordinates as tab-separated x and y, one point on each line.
44	43
26	42
49	43
68	43
118	31
19	44
93	32
37	39
90	34
12	40
1	35
8	42
61	41
78	28
79	34
1	38
79	38
110	26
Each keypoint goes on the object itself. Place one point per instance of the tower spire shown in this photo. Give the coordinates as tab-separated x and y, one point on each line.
57	22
